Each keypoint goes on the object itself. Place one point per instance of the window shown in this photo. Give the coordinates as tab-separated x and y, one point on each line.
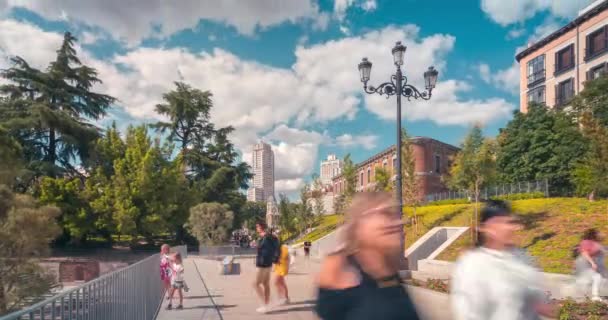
564	59
394	163
536	70
361	178
597	42
564	92
369	175
437	164
597	71
537	95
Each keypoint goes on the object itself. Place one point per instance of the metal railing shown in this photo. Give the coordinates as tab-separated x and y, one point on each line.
131	293
495	191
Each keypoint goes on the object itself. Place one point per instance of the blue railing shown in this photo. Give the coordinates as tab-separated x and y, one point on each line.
131	293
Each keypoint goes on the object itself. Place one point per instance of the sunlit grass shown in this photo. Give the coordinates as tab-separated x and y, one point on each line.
325	225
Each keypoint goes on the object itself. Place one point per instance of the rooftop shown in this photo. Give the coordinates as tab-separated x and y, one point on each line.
584	15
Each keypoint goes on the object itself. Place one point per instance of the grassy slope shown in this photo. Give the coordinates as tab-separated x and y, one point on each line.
552	227
326	225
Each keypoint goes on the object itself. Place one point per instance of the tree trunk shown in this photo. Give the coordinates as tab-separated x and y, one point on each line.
3	302
52	152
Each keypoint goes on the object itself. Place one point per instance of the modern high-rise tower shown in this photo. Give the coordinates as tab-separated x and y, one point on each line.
330	168
262	164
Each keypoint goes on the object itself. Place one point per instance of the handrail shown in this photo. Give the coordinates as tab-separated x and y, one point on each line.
126	294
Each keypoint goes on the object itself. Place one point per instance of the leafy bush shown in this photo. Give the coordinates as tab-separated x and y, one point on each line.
447	202
587	310
520	196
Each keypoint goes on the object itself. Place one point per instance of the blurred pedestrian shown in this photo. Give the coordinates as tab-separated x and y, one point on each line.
177	281
265	257
281	269
497	281
360	281
590	268
165	270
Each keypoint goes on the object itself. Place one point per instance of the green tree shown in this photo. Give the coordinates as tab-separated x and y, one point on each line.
593	100
306	208
250	213
316	198
10	156
540	144
48	111
591	171
26	229
383	179
77	219
288	219
409	180
210	223
474	167
349	172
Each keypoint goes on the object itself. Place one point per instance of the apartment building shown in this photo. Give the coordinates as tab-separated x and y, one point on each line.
262	163
432	160
330	167
554	69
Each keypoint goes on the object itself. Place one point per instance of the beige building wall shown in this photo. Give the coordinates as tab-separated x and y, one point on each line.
577	36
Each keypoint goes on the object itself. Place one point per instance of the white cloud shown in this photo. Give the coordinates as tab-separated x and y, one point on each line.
515	33
366	141
505	79
484	72
322	85
508	12
369	5
289	186
342	6
133	21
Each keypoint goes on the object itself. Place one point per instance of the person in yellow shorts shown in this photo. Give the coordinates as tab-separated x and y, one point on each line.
281	269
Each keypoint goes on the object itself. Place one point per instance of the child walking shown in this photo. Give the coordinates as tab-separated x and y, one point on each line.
177	281
165	270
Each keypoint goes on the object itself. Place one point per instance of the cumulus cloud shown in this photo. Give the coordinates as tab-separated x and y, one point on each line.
341	6
323	85
509	12
133	21
504	79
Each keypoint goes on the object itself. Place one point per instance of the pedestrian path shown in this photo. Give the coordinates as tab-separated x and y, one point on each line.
231	297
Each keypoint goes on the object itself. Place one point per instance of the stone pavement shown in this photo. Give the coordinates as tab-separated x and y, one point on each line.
231	297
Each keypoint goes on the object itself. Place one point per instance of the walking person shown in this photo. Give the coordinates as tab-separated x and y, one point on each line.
589	263
360	281
165	270
177	281
265	257
497	281
281	269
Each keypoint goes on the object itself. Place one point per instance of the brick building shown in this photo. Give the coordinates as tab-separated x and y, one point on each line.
432	160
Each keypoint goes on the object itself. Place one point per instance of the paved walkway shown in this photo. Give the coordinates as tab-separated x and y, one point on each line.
231	297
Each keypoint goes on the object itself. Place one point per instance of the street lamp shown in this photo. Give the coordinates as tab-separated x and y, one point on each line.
398	86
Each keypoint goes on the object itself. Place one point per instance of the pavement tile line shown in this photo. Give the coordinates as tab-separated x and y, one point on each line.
219	313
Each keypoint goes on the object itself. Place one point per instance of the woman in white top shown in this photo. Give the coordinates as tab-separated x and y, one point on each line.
177	281
496	281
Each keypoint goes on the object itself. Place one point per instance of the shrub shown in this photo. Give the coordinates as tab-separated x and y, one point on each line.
448	202
520	196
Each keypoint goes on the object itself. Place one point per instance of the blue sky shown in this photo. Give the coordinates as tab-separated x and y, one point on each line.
286	70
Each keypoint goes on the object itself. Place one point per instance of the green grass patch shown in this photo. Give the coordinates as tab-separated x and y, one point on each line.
325	225
552	227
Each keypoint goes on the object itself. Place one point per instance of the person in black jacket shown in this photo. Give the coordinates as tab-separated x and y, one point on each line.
266	256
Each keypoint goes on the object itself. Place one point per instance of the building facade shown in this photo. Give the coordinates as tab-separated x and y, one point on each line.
262	164
330	168
432	160
555	69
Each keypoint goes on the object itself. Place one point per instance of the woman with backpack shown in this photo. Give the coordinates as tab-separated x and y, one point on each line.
589	263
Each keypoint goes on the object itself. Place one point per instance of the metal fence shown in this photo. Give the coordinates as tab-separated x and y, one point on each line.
125	294
495	191
228	250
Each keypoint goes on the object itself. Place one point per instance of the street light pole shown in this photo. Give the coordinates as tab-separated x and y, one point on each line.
398	86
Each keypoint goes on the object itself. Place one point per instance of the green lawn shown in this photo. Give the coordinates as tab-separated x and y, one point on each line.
326	225
552	227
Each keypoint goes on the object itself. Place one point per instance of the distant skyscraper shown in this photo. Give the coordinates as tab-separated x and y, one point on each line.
262	164
330	168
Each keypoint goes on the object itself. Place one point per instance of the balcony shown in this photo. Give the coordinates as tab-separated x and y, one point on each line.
536	78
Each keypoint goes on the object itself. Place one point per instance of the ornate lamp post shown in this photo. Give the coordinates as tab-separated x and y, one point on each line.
398	86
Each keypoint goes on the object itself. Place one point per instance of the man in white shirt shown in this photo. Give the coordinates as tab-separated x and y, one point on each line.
496	281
